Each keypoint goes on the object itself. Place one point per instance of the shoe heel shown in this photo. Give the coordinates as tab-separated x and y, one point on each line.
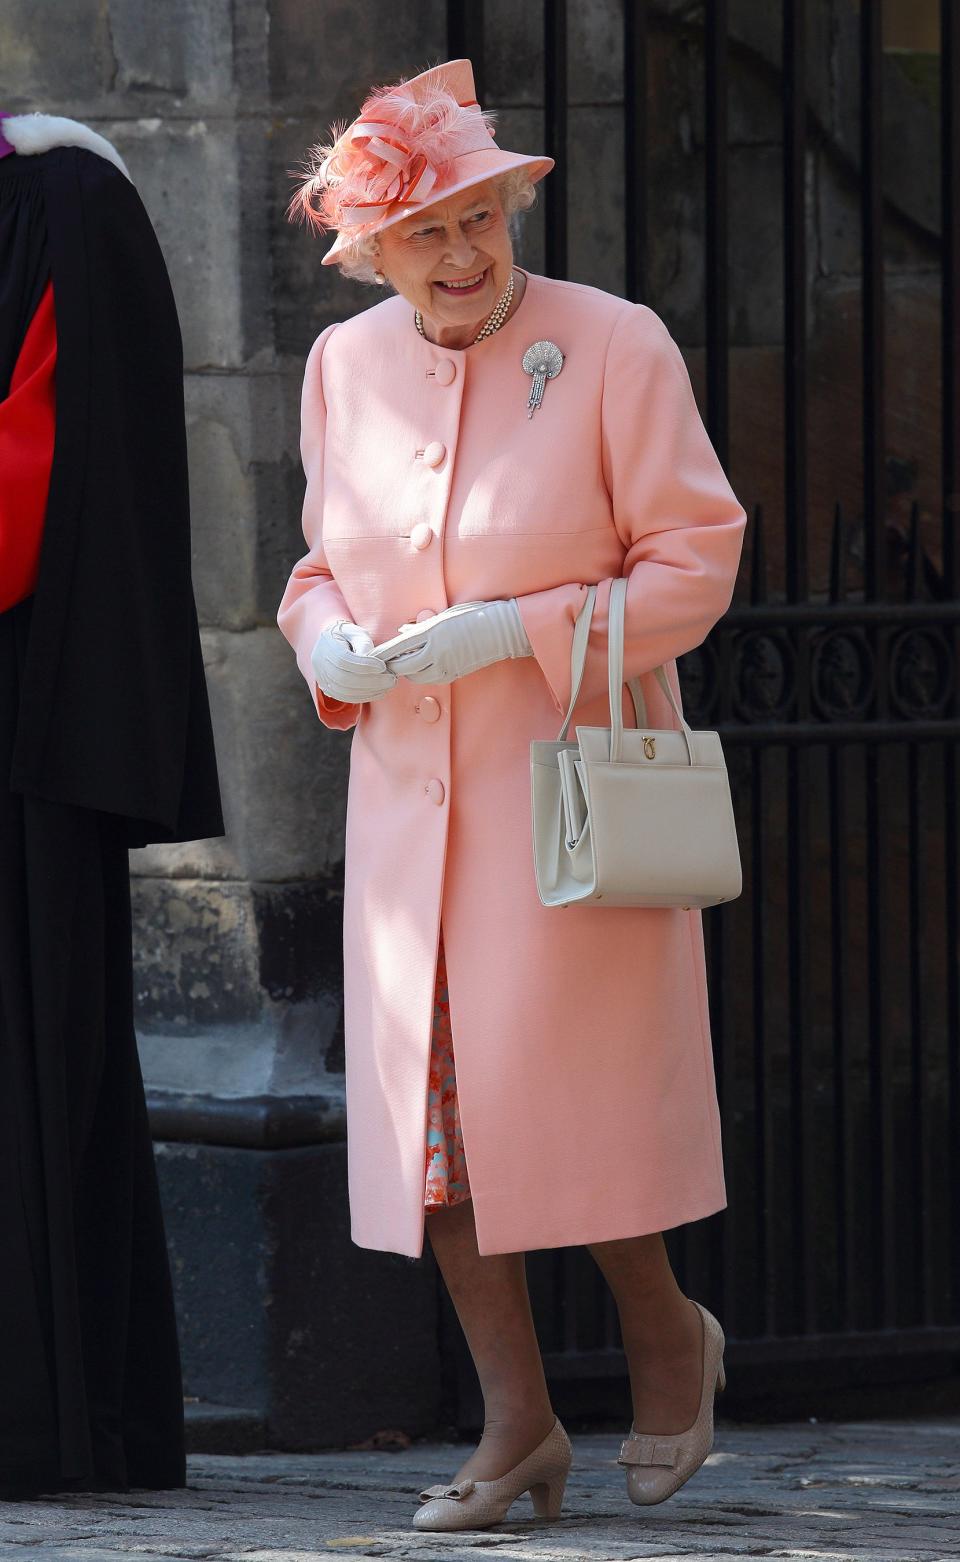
548	1497
721	1377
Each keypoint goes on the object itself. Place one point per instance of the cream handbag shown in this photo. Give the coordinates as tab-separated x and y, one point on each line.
631	817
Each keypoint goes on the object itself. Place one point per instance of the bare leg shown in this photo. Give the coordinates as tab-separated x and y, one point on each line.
662	1333
492	1303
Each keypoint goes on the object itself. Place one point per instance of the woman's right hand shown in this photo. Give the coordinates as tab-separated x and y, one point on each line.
346	669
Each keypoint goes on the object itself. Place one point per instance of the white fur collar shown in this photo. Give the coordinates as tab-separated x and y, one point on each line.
32	133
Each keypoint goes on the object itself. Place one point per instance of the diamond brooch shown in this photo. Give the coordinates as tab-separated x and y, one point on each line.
543	360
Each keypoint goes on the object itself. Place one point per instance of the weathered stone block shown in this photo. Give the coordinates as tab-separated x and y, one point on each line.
227	952
307	295
326	58
183	48
246	487
196	952
756	245
38	72
282	774
189	178
220	1279
279	487
279	1311
595	52
832	85
905	246
521	130
513	55
220	427
754	104
595	249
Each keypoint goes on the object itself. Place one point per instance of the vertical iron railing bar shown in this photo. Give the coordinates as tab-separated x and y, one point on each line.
916	585
763	1122
950	295
717	309
758	559
795	296
838	557
839	974
798	761
951	831
721	1276
950	329
872	354
920	1148
882	1244
721	1256
465	40
871	209
555	134
838	996
725	1270
803	1208
635	148
758	962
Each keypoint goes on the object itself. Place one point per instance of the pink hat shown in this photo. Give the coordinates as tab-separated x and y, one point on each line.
412	144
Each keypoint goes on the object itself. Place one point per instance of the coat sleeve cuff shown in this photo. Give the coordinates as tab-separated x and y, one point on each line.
548	618
335	713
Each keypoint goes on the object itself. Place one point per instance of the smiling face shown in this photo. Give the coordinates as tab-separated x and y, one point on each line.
451	261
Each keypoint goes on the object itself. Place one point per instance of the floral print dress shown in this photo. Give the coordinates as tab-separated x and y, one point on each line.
446	1169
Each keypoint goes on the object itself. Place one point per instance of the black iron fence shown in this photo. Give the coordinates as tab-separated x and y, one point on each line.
835	979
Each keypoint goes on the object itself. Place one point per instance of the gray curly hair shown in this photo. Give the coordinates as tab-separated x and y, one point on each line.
516	193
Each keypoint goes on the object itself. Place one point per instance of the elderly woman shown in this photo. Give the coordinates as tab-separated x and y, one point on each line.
516	1077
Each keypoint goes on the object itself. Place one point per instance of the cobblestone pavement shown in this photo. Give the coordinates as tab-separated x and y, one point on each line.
864	1491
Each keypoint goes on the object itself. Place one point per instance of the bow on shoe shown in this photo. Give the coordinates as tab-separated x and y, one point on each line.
640	1449
461	1489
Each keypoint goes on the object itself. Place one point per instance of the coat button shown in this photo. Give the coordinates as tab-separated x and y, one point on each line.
434	453
435	791
421	536
429	710
446	372
425	612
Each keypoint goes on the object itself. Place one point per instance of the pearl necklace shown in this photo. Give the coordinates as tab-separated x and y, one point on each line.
493	321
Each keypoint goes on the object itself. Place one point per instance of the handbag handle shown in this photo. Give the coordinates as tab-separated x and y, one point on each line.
615	630
578	658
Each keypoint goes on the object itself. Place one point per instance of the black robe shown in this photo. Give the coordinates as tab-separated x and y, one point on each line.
105	742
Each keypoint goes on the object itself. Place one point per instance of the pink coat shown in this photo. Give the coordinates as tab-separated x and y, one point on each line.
584	1066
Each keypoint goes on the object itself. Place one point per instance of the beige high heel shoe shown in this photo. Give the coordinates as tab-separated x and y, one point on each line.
478	1504
657	1466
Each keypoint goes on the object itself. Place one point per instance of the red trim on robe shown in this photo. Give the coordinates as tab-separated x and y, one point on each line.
27	425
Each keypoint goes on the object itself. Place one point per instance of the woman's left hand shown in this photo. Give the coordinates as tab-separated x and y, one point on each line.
459	642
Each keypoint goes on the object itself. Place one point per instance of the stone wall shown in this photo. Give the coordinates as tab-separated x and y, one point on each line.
212	102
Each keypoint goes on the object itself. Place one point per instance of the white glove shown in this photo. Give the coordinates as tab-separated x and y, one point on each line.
458	641
346	668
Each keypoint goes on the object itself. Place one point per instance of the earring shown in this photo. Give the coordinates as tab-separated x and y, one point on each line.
379	277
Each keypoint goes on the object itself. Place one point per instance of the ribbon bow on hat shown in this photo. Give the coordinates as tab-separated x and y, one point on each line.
397	171
393	154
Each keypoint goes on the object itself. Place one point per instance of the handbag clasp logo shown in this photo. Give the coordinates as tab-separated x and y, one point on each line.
650	748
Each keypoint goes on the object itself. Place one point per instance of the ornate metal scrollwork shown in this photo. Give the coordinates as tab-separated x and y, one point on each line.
841	674
921	672
764	675
699	683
